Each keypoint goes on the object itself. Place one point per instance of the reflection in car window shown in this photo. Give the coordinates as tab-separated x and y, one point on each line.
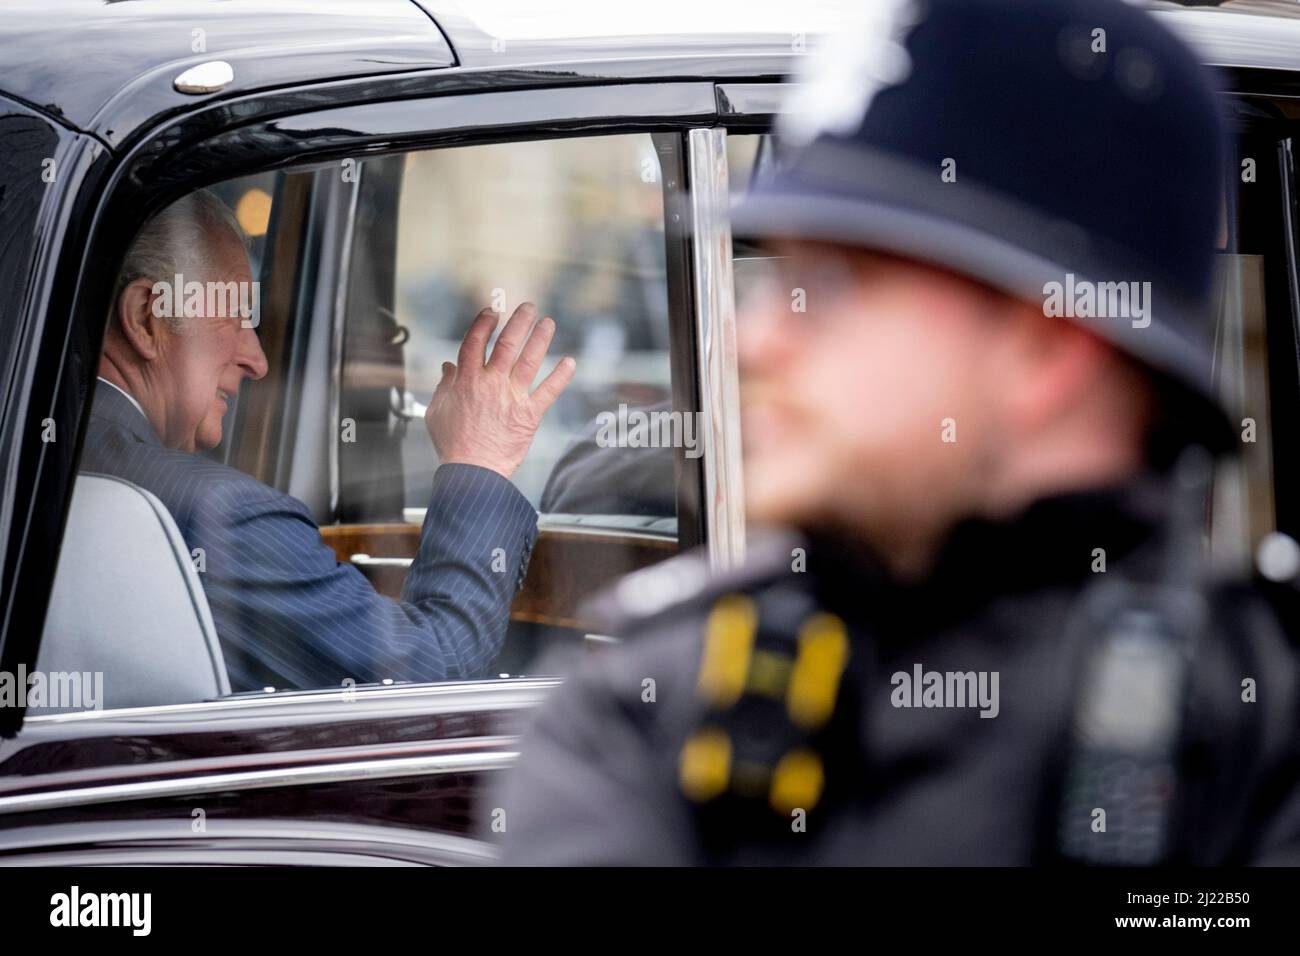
573	225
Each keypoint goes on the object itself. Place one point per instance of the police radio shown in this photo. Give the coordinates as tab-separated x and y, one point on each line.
1118	803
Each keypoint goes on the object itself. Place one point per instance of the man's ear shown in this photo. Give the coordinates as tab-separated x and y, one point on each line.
1058	362
135	316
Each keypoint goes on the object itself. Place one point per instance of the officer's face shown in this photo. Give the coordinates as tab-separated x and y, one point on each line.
876	406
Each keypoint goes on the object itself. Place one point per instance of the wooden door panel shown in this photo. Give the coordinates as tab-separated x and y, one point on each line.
567	566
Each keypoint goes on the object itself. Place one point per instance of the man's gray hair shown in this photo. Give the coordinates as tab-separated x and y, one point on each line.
178	240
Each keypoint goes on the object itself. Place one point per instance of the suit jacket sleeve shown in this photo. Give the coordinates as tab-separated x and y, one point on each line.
290	614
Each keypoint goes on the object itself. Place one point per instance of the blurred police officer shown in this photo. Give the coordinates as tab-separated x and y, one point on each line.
992	638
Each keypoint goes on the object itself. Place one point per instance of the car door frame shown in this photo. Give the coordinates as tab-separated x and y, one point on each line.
99	753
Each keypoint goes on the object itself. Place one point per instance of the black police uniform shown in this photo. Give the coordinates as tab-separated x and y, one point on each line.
1069	684
603	776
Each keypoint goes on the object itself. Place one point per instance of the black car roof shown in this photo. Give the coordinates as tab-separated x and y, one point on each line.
77	59
108	66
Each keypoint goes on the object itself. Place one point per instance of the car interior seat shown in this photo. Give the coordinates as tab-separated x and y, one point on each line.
127	602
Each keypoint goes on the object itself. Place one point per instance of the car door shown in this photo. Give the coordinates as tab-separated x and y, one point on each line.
392	771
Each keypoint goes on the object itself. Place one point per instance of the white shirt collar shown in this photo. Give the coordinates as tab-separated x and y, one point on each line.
129	397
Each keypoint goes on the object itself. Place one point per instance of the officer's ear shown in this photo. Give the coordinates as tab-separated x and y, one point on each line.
136	318
1055	365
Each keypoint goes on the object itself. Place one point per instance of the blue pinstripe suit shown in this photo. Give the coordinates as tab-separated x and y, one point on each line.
287	612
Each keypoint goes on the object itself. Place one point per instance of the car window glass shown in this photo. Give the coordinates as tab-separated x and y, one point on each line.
279	492
268	468
575	226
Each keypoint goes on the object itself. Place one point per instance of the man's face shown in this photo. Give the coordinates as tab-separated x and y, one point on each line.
202	362
874	406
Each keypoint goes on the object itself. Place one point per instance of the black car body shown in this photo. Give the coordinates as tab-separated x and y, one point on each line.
96	136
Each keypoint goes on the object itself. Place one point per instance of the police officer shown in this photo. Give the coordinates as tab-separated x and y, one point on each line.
991	637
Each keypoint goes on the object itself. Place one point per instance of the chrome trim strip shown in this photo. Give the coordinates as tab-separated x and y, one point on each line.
363	560
1235	39
753	99
605	531
366	561
1287	158
47	844
554	522
508	694
716	343
336	341
431	765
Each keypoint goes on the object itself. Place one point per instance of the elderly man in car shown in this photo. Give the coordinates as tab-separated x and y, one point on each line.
287	612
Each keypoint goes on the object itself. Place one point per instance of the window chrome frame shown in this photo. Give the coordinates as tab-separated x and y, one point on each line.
724	498
488	694
338	312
